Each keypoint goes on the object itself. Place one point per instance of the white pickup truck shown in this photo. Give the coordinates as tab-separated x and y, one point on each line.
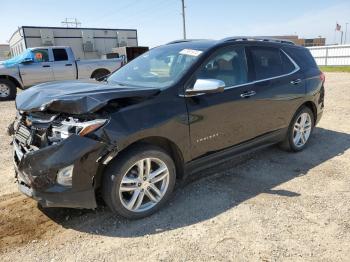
45	64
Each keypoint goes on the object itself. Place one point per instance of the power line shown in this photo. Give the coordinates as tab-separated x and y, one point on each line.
135	10
122	8
71	22
148	12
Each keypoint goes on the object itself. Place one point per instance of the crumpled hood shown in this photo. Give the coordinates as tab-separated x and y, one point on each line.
76	97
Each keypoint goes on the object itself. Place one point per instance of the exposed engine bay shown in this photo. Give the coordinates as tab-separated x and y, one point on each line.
38	130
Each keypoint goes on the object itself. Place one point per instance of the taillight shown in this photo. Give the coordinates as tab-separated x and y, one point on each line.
322	77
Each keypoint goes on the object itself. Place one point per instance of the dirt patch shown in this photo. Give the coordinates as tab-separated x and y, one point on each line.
22	222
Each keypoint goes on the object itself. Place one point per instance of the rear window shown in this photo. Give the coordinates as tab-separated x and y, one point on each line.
60	54
267	62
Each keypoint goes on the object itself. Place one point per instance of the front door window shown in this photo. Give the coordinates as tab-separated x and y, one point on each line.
41	55
228	65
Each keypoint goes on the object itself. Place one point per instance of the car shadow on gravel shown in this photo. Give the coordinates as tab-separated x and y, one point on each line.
214	191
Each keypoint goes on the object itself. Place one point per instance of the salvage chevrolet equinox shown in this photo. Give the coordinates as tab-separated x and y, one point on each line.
178	108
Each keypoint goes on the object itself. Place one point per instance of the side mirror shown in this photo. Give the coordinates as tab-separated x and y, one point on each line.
27	60
206	86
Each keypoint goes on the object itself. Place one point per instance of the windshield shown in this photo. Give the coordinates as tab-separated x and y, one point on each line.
27	54
160	67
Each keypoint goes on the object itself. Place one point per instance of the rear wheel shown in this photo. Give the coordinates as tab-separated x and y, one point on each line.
300	130
8	90
139	182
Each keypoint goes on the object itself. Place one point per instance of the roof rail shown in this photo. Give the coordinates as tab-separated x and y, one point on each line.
253	38
183	41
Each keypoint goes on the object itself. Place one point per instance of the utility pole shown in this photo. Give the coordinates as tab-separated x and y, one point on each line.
183	18
346	32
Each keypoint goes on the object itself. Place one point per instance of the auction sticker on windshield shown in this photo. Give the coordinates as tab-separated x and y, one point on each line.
190	52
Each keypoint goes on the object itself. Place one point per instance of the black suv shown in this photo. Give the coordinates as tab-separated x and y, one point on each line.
178	108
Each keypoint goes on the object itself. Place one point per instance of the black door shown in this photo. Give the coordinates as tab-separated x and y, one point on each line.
279	87
224	119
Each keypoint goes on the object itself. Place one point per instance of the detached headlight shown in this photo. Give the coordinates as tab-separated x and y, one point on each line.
72	126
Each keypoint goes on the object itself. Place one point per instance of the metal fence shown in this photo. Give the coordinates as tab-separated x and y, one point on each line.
332	55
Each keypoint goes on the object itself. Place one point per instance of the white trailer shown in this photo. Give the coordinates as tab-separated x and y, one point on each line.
4	51
86	43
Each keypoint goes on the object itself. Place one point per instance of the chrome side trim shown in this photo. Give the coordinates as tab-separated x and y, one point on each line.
296	69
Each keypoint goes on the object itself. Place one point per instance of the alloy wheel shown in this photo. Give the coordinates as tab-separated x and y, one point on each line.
302	129
144	185
4	90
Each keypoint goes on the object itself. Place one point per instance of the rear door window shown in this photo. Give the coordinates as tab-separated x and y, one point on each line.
60	54
267	62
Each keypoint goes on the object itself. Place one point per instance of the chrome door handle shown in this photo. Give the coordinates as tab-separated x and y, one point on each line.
248	94
295	82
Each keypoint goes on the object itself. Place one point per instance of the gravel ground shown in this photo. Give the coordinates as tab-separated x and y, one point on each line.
266	206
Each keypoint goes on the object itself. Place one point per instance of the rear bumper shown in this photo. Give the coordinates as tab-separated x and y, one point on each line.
36	172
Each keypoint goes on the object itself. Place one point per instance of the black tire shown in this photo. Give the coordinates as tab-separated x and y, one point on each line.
115	171
288	143
12	90
100	74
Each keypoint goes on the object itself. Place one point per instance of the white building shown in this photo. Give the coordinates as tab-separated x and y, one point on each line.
87	43
4	51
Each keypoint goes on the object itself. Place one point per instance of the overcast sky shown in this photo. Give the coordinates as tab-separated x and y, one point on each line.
159	21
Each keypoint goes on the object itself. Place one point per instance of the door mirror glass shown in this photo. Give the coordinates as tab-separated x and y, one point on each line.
206	86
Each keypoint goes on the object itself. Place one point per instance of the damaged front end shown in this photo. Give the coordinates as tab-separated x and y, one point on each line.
57	157
60	138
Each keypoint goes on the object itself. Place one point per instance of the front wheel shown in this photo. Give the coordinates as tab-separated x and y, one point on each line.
300	130
139	182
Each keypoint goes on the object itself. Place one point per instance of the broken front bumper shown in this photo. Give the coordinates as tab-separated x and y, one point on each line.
37	172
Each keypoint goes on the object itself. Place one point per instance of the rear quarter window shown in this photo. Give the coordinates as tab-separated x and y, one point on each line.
302	57
287	65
